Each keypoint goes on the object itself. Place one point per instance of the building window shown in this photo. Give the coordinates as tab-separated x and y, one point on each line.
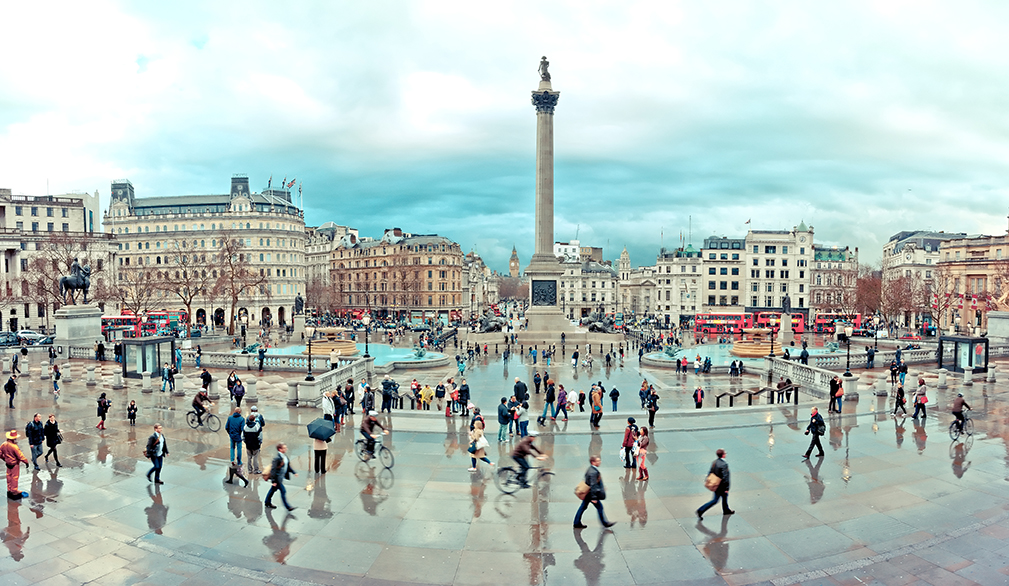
20	225
18	211
711	256
24	264
735	285
65	213
711	270
802	288
735	256
756	249
770	287
755	287
66	227
711	284
49	227
784	250
35	226
770	250
724	285
711	299
723	271
769	262
735	300
35	211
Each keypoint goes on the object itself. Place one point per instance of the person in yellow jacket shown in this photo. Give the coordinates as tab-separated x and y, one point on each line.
11	454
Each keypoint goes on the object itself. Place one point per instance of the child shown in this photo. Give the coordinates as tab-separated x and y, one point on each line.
131	412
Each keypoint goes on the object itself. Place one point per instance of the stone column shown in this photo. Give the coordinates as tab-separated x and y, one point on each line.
545	100
146	384
991	373
117	381
212	391
180	385
292	394
91	377
943	373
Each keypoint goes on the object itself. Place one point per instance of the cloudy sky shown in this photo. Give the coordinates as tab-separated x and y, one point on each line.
860	118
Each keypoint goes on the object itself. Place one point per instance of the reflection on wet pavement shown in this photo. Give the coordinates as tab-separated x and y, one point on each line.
869	505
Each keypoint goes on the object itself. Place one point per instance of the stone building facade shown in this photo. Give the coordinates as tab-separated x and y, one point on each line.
151	232
777	264
40	236
404	276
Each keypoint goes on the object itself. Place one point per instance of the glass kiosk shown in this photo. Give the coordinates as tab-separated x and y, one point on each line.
147	355
969	354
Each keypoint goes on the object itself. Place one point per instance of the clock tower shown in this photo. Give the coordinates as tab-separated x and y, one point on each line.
513	264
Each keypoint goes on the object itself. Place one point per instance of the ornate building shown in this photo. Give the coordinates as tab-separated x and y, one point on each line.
405	276
480	285
514	268
973	280
834	276
184	234
777	264
41	235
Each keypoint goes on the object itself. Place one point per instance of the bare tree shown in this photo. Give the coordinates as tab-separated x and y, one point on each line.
52	260
185	276
236	278
137	289
868	290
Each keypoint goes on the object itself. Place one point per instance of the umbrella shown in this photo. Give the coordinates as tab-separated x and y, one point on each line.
321	429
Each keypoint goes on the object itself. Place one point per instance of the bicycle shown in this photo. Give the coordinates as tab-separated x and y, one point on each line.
507	478
384	454
211	421
955	428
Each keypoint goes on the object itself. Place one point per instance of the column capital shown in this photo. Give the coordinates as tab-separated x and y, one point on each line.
545	101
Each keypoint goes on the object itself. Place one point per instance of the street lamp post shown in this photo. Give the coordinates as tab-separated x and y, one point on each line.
310	331
848	331
366	320
774	334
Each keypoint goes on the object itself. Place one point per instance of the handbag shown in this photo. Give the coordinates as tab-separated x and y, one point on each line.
582	490
712	481
472	448
59	438
266	472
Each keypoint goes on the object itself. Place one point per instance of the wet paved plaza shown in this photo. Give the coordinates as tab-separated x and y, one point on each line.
892	502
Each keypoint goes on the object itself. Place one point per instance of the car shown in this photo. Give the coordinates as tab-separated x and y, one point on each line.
421	328
48	340
910	336
9	339
29	336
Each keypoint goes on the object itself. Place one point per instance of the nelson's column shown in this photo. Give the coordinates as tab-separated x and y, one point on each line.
545	319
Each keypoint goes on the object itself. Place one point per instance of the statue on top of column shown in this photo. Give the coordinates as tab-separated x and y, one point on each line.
544	64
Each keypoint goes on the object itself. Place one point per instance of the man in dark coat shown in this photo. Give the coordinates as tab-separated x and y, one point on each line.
818	428
595	496
280	471
720	469
521	391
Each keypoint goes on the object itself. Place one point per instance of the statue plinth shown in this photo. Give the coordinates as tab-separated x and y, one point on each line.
77	325
785	333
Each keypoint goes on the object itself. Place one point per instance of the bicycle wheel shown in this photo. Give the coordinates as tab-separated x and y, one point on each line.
213	422
954	430
385	457
506	480
359	449
968	427
192	420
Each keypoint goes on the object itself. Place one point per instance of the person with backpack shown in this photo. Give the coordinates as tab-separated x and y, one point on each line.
614	395
235	425
549	403
817	427
57	375
388	388
252	433
630	436
652	405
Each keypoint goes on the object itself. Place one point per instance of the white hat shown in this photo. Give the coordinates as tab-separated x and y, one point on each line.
254	408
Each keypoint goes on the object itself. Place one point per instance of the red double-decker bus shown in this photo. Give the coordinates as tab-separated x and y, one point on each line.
721	323
824	323
771	319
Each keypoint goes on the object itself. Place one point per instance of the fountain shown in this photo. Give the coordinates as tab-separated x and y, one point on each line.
332	339
756	346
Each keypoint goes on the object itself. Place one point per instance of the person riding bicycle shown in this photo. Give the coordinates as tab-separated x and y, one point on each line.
368	431
958	405
200	403
525	448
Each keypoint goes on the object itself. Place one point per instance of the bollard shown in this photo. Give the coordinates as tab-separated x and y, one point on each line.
942	378
180	385
250	390
146	385
292	394
67	371
43	369
968	377
991	374
212	392
6	364
91	377
117	380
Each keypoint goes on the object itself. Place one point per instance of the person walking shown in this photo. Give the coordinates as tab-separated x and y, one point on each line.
549	402
504	416
238	393
900	402
157	451
643	441
280	470
15	359
652	405
630	436
57	375
464	398
698	397
53	438
817	427
12	456
614	395
719	468
36	435
920	399
131	413
206	379
235	426
11	387
595	495
103	409
562	402
902	371
893	372
478	445
348	393
834	384
231	381
537	380
597	407
199	355
252	433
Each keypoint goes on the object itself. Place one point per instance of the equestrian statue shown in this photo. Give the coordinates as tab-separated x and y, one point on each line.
78	280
